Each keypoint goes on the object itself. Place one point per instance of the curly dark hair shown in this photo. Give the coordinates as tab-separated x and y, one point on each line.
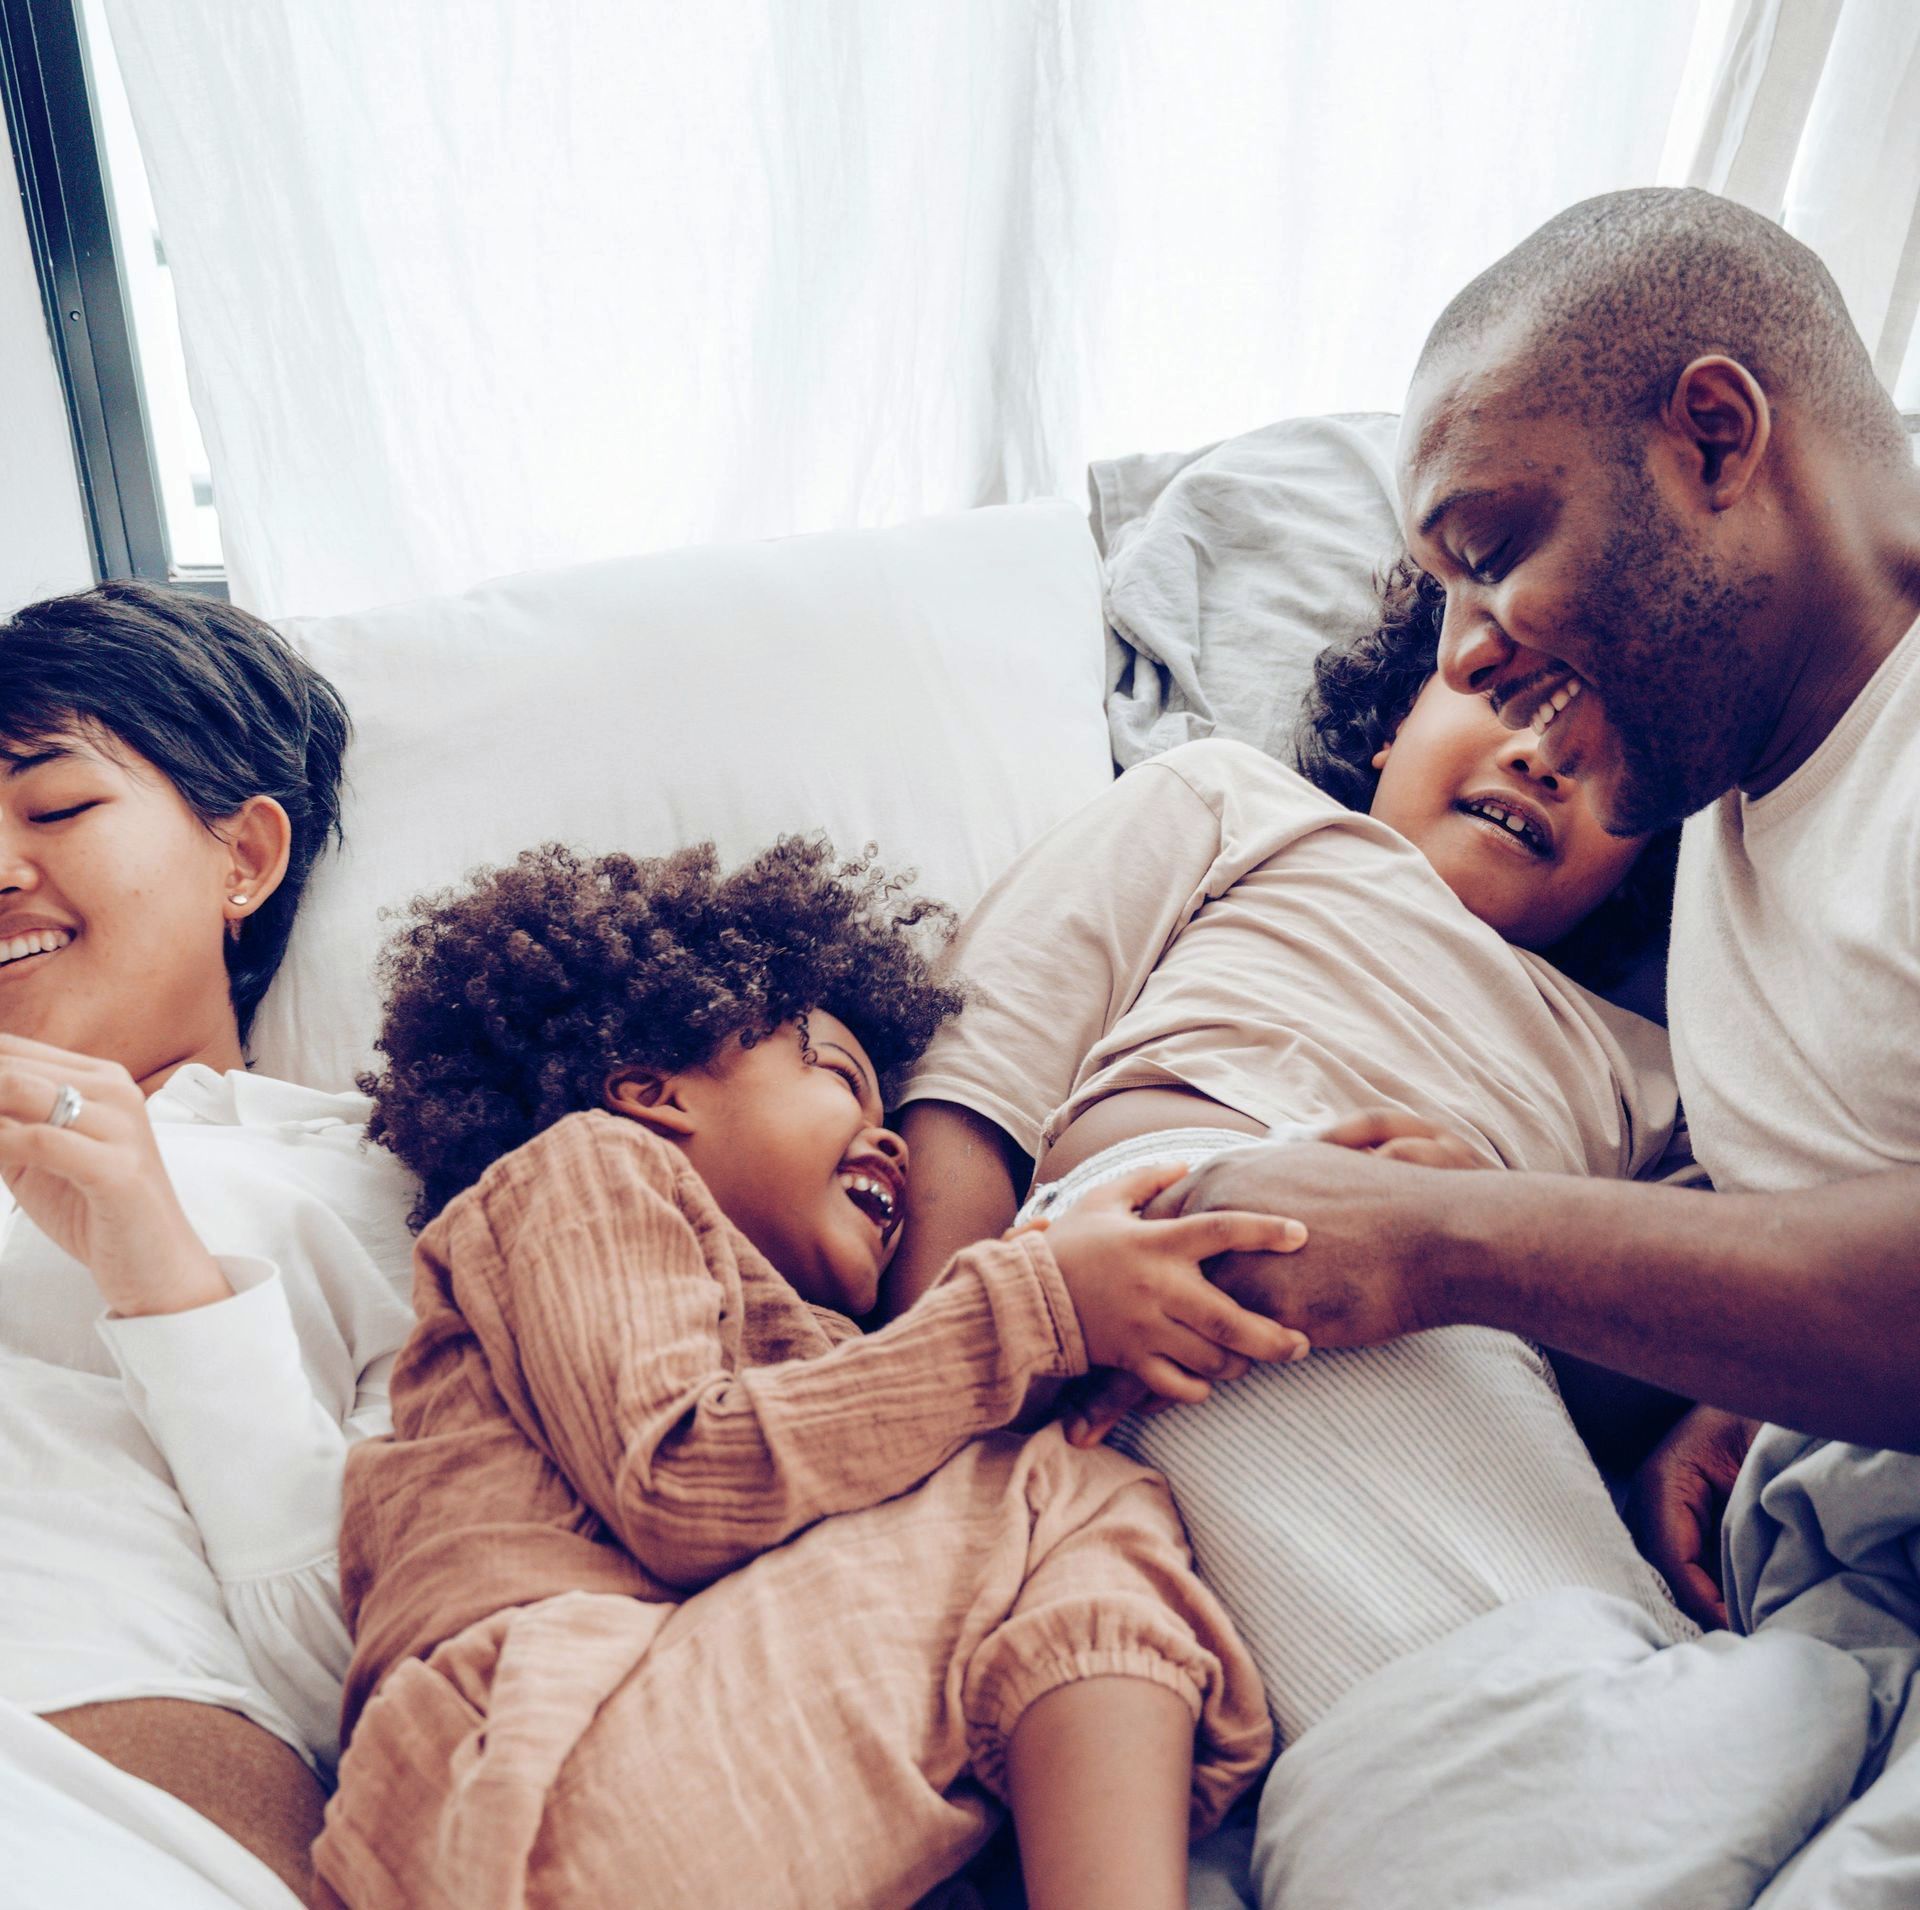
1361	692
512	999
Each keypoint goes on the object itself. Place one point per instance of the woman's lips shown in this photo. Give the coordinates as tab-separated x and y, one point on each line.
31	949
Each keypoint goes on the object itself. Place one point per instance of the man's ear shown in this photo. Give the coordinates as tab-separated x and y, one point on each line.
651	1098
1719	413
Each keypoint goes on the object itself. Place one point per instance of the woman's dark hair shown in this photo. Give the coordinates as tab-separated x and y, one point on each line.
1361	692
218	702
512	1000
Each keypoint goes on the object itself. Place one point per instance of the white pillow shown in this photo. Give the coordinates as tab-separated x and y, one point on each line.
935	689
1229	568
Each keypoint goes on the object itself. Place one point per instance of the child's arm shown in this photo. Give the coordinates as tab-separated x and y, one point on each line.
1054	953
597	1289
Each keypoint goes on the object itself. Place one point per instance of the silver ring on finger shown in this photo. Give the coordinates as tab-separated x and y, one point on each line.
67	1106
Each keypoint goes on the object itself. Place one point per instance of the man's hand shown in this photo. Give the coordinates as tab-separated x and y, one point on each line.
1678	1498
1356	1282
1144	1305
1366	1215
1692	1294
1393	1136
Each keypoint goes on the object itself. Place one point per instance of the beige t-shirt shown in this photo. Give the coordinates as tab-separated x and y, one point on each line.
1216	922
1794	980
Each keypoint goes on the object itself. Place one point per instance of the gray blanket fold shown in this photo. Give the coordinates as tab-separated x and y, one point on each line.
1554	1753
1229	568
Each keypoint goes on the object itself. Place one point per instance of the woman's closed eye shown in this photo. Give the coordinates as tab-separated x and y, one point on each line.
63	815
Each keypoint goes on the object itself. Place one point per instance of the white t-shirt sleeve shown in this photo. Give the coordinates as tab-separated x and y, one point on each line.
257	1459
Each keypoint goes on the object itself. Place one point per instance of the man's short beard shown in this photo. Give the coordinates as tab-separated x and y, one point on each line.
1682	688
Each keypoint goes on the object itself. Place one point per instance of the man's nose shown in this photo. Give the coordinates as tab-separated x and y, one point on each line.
1473	649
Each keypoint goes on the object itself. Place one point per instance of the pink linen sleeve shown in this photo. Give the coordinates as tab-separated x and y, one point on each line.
600	1296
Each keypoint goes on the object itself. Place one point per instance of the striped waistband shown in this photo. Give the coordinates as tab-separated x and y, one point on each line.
1188	1145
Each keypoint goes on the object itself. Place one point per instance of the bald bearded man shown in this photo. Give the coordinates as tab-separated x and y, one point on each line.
1677	520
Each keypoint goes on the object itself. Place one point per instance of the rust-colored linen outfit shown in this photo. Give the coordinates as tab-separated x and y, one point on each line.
671	1588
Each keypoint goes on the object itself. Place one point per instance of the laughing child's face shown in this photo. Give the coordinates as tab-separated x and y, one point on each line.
788	1136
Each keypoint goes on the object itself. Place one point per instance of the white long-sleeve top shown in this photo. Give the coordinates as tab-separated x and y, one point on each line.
170	1485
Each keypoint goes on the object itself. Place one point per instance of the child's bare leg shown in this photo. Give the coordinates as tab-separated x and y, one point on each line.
1099	1775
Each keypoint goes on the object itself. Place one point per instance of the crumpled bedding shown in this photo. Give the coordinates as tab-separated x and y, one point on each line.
1228	569
1553	1752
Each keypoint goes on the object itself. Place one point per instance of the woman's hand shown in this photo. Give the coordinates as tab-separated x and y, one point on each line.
98	1189
1145	1306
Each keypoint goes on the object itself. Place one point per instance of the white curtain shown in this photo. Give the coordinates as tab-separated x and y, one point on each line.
469	286
1811	115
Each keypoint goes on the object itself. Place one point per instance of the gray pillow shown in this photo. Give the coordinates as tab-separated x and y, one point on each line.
1228	568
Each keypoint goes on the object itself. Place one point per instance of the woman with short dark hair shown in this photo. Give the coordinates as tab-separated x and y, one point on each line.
203	1277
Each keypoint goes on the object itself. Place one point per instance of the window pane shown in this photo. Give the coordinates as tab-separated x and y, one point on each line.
179	456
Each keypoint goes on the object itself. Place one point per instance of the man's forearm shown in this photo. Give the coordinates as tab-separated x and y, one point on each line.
1801	1308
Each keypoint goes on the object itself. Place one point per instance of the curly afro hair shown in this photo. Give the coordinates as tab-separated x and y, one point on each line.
511	1000
1361	692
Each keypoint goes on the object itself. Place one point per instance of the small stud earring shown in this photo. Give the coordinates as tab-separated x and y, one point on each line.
239	901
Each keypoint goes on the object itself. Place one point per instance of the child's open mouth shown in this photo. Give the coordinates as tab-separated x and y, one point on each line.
1516	824
874	1198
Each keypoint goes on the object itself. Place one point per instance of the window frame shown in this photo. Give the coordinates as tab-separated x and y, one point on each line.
47	85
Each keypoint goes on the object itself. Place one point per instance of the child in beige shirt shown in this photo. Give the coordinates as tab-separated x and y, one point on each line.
1220	949
668	1572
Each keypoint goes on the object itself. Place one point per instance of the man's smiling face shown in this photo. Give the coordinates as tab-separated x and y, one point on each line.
1580	572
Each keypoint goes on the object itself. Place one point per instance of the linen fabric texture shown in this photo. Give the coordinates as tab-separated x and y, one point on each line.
932	689
666	1572
170	1485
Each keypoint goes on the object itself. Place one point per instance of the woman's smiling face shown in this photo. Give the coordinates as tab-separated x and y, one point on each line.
114	900
1521	847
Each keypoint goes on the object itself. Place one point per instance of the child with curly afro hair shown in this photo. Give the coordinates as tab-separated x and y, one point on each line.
514	1003
670	1571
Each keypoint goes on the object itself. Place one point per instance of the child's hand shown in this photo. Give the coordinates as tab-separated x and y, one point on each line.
1144	1304
1395	1136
